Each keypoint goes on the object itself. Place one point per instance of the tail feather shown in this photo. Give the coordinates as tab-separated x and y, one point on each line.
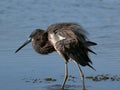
91	67
82	59
89	43
91	51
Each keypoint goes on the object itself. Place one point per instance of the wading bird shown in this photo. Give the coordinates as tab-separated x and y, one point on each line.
68	40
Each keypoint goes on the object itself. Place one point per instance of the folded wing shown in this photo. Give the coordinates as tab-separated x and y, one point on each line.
71	43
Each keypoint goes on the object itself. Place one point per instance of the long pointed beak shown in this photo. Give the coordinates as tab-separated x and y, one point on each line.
24	44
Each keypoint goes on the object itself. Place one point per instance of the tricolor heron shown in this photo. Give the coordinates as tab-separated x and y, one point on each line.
69	40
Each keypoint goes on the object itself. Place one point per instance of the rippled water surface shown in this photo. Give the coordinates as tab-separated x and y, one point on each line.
26	70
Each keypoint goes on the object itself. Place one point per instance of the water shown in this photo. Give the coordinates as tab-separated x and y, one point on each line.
18	18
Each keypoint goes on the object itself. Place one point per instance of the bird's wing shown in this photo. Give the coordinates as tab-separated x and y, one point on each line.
70	44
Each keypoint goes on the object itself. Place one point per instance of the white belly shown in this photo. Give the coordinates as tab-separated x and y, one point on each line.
55	38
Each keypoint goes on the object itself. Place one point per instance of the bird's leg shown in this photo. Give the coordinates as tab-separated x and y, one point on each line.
82	76
65	76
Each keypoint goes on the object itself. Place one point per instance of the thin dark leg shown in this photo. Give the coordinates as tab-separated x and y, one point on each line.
82	76
65	76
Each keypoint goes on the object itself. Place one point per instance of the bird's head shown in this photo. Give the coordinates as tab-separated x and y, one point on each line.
34	36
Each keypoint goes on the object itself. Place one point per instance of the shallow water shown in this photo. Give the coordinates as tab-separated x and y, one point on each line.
18	18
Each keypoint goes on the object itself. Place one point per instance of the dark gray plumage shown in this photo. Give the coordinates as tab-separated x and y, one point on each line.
69	40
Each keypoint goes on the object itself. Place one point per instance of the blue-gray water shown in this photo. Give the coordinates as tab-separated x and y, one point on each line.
18	18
